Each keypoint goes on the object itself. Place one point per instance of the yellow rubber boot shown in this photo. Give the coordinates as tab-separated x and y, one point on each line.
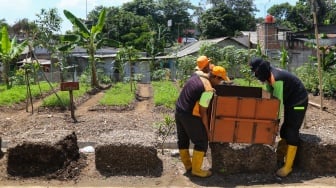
287	168
281	151
197	161
185	158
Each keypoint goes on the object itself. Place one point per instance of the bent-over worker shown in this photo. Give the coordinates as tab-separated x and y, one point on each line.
293	101
191	118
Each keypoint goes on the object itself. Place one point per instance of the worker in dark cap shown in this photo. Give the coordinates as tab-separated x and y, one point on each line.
294	100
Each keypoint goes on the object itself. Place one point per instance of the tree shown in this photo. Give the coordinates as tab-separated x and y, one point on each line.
299	17
132	24
160	39
90	39
218	22
9	50
281	13
142	8
243	10
331	14
128	55
48	23
125	27
178	12
24	28
227	17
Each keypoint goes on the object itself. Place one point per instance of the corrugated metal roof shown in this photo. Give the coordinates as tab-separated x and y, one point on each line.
322	42
242	40
30	60
195	47
327	29
253	36
97	55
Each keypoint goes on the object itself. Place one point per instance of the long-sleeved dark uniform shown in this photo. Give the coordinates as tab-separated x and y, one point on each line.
294	100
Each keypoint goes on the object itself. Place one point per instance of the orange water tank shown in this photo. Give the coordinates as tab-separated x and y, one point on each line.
269	19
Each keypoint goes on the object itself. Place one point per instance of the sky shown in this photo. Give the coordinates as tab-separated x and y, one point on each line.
15	10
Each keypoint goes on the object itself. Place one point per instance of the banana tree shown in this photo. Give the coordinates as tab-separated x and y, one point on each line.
90	39
283	58
128	55
9	50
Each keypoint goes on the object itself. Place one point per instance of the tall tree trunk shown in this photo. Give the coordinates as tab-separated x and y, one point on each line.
94	80
5	74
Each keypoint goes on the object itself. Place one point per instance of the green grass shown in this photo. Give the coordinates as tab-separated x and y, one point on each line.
53	101
119	94
18	94
165	93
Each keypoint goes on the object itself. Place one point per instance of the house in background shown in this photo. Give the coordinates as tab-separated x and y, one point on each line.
269	35
272	38
192	49
296	43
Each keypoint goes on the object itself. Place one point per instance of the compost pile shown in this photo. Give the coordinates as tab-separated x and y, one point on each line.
94	121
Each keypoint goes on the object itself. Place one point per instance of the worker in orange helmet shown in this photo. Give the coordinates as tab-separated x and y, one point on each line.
204	64
191	117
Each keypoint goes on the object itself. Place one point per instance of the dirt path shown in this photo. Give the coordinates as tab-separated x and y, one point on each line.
143	104
144	98
94	100
93	123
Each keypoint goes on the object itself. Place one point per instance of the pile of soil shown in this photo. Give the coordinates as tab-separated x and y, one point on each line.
94	120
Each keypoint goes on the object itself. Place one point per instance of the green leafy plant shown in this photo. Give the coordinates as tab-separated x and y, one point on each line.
160	75
90	39
329	84
185	67
19	77
9	50
127	56
165	129
283	58
308	75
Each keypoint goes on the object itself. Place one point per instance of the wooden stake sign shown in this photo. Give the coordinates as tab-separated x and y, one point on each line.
70	86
